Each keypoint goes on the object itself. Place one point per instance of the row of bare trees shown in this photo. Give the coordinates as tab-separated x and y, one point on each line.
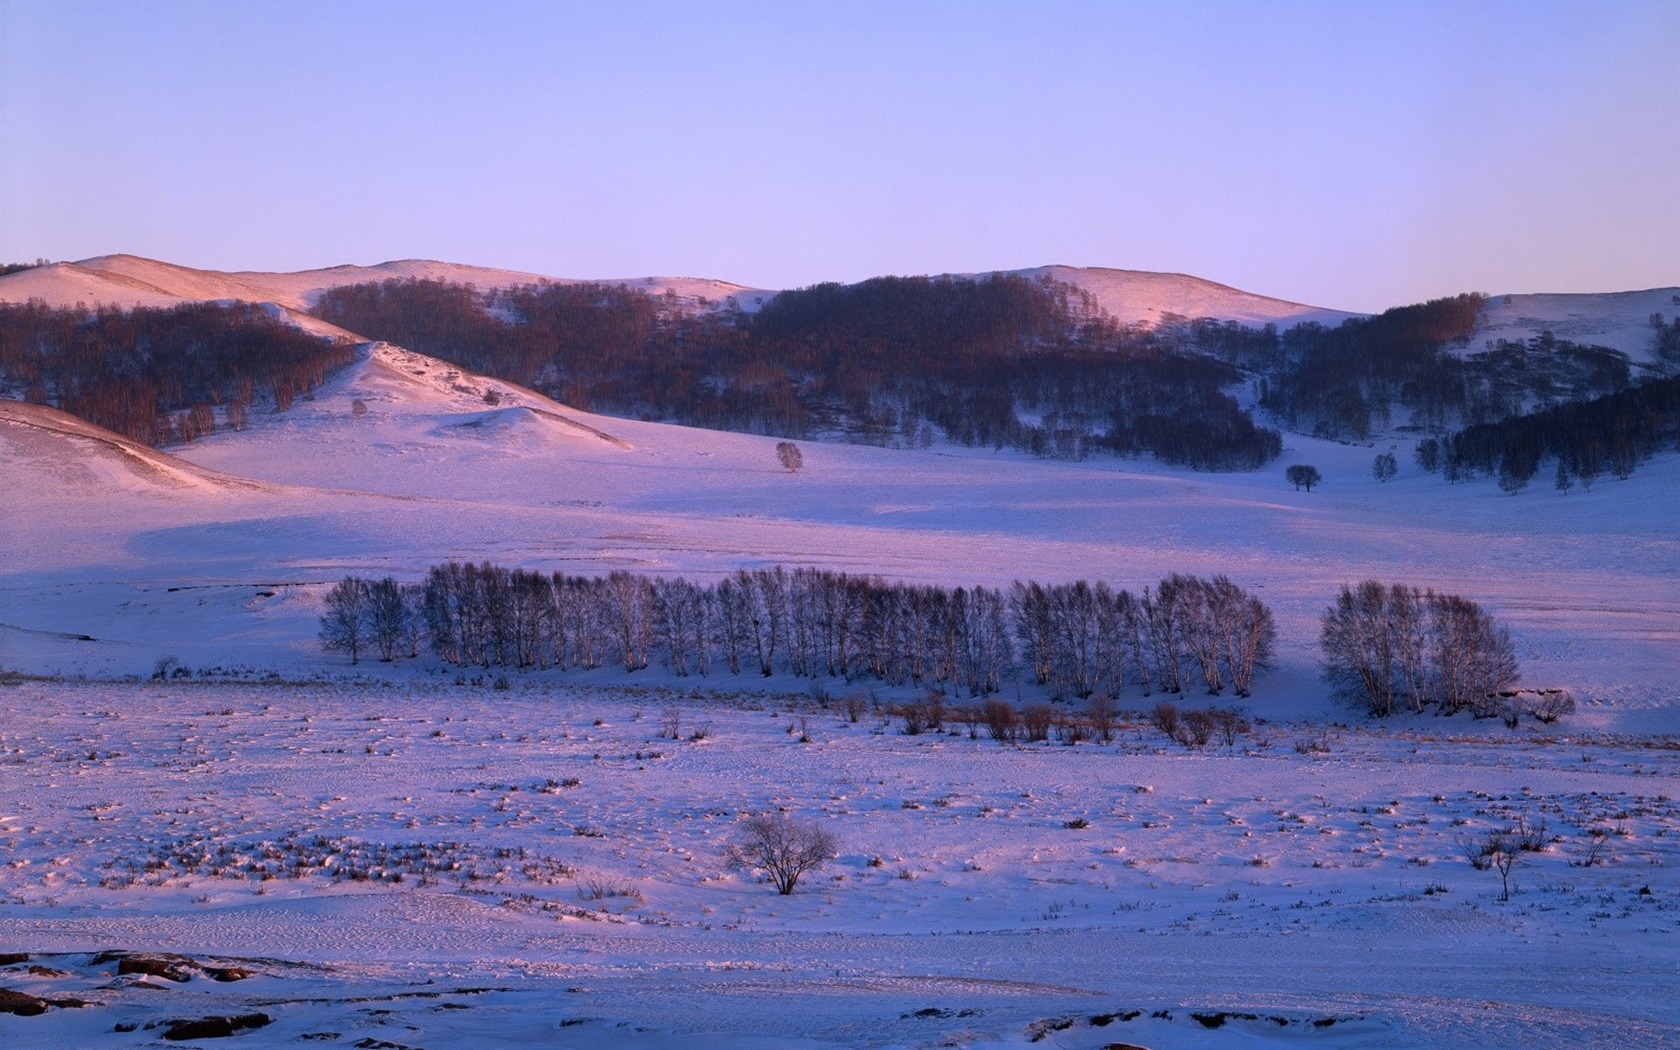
1398	648
1075	639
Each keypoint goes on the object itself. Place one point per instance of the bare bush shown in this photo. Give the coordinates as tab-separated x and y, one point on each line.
1165	718
1036	720
1499	850
785	848
1196	727
1551	705
1000	719
1230	724
789	456
854	704
1102	712
1071	729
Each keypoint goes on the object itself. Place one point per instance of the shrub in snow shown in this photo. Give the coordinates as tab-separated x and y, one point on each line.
785	848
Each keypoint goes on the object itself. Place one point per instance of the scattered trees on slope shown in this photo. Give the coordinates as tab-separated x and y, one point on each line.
1004	361
157	376
1398	648
1342	381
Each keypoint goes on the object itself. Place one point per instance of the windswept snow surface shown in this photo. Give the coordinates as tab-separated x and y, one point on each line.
445	866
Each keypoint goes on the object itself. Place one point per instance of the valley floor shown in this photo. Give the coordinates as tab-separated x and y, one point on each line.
431	865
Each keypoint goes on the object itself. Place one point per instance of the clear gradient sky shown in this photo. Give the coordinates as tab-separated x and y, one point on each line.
1348	154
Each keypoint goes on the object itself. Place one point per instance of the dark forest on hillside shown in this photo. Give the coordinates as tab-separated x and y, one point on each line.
1412	365
1611	434
158	376
1000	362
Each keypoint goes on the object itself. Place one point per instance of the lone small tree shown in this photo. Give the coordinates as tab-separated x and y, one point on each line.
1301	475
1384	466
785	848
790	456
1499	850
1428	455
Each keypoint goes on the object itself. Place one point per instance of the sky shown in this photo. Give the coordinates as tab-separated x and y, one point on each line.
1354	156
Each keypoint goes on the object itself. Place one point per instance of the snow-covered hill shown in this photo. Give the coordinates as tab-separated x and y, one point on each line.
1618	320
1132	296
129	280
1143	297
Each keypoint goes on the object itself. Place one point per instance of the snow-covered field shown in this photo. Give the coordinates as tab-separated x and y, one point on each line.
438	864
563	859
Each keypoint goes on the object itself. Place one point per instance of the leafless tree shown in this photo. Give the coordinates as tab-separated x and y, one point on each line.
1499	850
1393	646
387	617
788	454
344	626
785	848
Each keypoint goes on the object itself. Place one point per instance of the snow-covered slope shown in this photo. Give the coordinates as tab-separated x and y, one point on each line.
1618	320
1143	297
49	453
129	280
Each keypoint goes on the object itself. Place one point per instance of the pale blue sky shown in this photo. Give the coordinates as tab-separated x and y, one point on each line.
1350	154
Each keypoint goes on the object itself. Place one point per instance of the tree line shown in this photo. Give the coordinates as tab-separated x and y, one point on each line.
161	375
1611	434
1342	382
1004	361
1073	640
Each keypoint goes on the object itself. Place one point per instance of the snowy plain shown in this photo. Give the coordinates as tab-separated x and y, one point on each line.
564	860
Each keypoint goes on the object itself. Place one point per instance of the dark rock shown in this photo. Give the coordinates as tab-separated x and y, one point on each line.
10	958
215	1027
23	1004
170	967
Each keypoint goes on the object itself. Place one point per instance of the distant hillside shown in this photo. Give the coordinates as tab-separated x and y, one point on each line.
130	281
1618	320
1056	360
1004	361
1146	298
